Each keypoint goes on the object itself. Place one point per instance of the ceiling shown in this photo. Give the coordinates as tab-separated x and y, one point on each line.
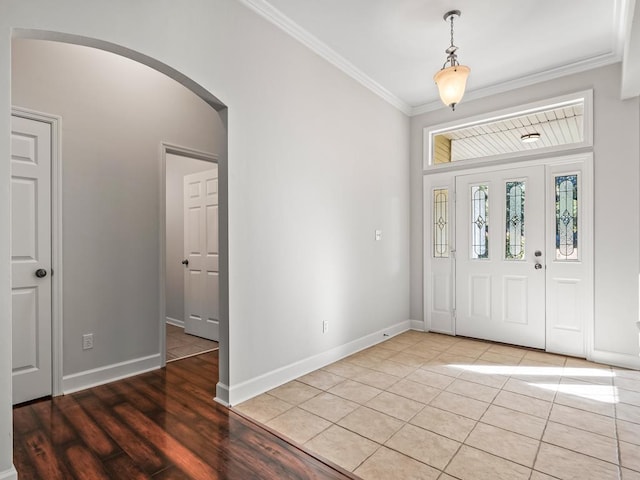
394	47
556	126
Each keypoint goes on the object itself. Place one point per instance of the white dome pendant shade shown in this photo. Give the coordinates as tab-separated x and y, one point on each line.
451	80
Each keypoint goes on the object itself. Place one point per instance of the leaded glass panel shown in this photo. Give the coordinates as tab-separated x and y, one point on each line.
480	221
566	217
514	244
440	223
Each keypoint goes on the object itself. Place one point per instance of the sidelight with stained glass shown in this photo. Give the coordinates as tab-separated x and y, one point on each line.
441	223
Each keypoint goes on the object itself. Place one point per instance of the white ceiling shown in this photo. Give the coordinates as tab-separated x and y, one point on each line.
395	46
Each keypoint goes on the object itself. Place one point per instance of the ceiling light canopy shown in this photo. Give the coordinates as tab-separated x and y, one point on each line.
451	80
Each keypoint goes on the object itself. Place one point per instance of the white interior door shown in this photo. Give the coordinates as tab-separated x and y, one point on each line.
202	278
500	256
31	258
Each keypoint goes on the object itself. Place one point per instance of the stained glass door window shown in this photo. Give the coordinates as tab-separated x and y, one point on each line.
566	217
480	221
514	235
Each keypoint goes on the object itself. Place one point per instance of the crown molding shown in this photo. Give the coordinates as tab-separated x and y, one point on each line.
279	19
275	16
527	80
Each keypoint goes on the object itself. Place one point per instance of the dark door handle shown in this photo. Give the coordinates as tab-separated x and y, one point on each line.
538	266
185	263
41	273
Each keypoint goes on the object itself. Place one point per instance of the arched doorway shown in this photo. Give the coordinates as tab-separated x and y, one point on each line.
220	108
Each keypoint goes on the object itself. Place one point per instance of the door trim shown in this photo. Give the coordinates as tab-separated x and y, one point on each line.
169	148
55	123
587	160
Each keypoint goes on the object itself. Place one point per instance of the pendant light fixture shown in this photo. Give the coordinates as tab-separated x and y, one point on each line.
451	80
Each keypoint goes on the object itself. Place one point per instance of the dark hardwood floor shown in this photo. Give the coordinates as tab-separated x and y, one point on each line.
160	425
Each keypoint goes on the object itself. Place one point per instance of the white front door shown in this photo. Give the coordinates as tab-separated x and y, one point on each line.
31	258
500	256
202	277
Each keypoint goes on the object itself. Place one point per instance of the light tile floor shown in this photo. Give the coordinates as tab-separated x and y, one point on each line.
181	345
430	406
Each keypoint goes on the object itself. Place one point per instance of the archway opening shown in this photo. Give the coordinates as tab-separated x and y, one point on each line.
140	186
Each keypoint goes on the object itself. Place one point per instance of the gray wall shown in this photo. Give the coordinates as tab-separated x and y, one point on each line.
177	168
616	172
115	113
316	163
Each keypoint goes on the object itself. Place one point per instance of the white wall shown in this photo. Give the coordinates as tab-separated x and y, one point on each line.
115	114
316	164
177	167
617	235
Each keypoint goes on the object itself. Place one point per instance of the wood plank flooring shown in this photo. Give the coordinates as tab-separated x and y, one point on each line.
159	425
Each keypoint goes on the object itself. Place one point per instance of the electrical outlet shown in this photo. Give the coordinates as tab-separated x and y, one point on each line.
325	326
87	341
378	235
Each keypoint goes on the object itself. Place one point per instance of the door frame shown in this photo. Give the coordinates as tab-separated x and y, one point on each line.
587	226
169	148
55	123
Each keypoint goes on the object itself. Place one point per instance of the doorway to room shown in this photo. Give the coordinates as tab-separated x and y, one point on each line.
192	274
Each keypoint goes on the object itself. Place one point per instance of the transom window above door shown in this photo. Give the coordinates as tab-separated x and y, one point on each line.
554	125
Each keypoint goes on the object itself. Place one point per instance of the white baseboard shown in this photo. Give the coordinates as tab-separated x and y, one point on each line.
417	325
267	381
175	322
222	394
616	359
109	373
10	474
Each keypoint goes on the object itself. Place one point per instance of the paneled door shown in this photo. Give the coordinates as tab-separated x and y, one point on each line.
31	258
202	277
500	256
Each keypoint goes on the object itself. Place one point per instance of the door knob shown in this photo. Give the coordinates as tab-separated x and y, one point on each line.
538	266
41	273
185	262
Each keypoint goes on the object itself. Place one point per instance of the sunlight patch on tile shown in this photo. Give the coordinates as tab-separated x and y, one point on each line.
535	371
600	393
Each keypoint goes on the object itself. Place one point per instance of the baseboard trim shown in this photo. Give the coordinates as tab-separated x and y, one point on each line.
267	381
222	394
109	373
10	474
175	322
417	325
616	359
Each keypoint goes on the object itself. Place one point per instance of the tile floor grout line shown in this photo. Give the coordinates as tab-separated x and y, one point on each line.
544	430
615	424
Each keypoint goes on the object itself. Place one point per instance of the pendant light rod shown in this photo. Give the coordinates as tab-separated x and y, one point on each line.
451	51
